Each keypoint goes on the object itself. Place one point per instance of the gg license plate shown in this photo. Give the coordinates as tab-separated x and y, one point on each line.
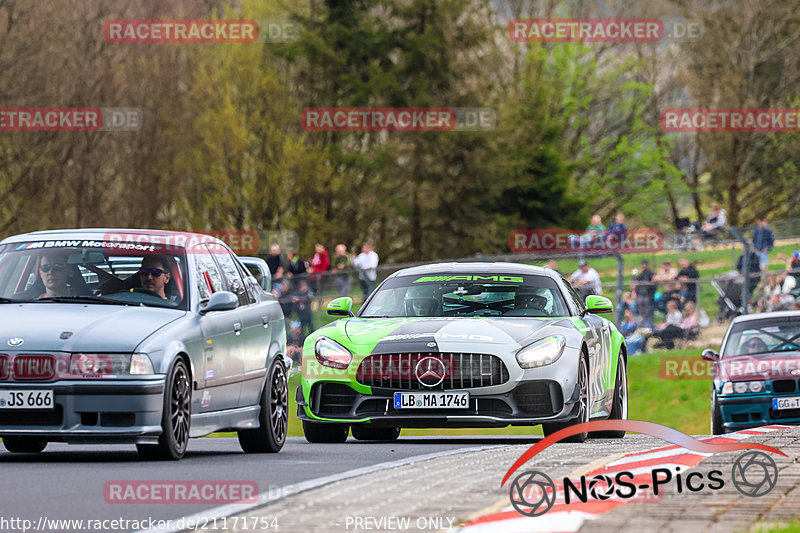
431	400
792	402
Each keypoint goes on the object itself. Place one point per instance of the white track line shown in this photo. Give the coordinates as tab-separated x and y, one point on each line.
274	495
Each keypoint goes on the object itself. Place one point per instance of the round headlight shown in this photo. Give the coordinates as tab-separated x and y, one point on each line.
756	386
740	387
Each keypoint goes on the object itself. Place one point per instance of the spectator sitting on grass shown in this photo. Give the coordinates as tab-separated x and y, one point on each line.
629	300
634	341
779	302
715	223
670	328
766	291
793	265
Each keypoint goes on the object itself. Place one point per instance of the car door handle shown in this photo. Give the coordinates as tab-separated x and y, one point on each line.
237	328
265	321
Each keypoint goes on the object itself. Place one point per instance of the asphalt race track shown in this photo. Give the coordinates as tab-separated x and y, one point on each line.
67	482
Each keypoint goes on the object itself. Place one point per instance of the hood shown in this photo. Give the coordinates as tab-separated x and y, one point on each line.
760	367
398	335
87	328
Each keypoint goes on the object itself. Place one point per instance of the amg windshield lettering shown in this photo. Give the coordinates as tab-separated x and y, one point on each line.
503	279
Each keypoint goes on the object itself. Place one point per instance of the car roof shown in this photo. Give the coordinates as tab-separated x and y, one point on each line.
763	316
157	235
477	267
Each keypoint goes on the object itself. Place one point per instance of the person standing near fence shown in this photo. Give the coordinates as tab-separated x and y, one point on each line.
341	263
645	293
689	274
367	265
763	241
320	263
586	280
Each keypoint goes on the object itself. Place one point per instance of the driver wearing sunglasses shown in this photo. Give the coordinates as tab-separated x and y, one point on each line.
55	275
154	275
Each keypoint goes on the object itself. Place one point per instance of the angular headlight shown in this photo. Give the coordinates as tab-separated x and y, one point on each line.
109	365
141	364
543	352
332	354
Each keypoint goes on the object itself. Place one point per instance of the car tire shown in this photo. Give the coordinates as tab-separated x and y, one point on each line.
270	436
325	433
619	408
24	444
584	401
716	417
175	418
365	432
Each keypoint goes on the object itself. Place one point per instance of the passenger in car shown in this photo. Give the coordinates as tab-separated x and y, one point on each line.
154	274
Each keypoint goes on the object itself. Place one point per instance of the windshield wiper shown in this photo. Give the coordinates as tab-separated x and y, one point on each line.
4	300
81	299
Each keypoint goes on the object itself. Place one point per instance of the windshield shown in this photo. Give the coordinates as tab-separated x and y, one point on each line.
467	295
760	337
93	272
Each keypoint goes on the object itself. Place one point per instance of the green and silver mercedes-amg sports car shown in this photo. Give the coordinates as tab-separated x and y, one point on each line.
463	345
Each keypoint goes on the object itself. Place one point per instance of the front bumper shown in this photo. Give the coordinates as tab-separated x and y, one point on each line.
123	411
744	412
529	403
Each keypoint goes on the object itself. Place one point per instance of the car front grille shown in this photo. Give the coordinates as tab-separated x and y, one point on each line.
537	398
783	386
461	371
330	399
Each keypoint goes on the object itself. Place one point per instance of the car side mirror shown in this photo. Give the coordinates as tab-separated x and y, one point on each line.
598	304
341	306
258	267
709	355
220	301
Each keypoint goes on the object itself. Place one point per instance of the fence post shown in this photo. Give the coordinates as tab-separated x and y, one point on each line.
745	268
618	311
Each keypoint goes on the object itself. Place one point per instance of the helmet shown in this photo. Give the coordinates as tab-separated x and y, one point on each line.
420	302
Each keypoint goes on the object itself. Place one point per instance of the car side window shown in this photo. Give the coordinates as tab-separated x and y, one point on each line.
250	282
233	278
575	302
209	279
